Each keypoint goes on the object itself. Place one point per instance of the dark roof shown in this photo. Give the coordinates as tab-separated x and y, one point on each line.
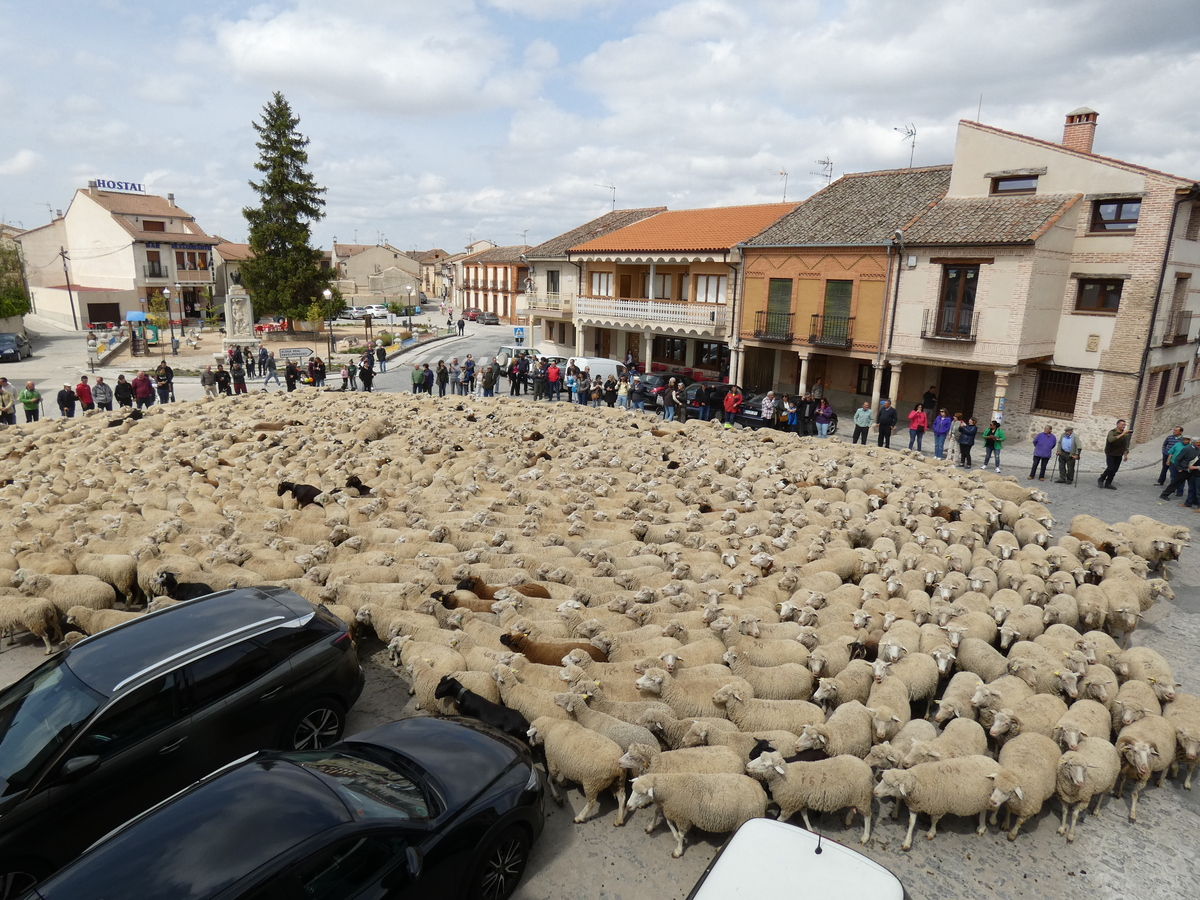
114	656
511	255
989	220
135	204
860	208
611	221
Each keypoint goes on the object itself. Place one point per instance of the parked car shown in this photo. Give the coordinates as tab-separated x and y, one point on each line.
751	414
765	857
127	717
692	392
375	311
423	807
472	313
656	383
488	318
14	346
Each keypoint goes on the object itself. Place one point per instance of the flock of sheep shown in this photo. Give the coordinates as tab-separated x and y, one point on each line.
723	619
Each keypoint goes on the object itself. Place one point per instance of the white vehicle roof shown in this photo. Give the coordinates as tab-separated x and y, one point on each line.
766	858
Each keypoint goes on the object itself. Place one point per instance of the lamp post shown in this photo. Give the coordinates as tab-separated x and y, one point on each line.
328	295
410	299
166	295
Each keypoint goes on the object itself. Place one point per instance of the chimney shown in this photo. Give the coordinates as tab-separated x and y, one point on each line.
1080	130
92	188
171	197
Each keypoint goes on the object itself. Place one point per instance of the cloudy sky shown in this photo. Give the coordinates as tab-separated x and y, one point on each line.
437	121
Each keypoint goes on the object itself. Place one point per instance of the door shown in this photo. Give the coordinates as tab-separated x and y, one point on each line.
626	283
104	312
835	323
758	371
957	391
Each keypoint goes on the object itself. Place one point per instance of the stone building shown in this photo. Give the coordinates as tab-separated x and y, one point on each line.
493	280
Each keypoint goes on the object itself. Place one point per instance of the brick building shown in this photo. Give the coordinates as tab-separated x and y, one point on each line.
492	279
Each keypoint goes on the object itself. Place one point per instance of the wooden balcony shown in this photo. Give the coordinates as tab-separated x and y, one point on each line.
705	319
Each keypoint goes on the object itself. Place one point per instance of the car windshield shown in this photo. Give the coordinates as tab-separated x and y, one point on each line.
370	790
8	340
38	715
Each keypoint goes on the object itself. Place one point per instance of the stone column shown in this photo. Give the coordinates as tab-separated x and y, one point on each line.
876	387
647	349
804	358
1002	376
579	347
894	390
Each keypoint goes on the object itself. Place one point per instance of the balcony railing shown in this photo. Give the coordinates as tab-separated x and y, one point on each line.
663	312
831	331
945	326
554	302
194	275
773	326
1178	328
154	270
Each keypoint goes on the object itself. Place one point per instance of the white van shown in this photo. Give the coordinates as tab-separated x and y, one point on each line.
598	366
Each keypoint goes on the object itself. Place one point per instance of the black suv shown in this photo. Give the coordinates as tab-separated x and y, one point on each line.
123	719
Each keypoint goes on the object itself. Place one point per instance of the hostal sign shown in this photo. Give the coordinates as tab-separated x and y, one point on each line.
106	184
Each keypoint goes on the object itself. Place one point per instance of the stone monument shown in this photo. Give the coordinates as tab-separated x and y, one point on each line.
239	319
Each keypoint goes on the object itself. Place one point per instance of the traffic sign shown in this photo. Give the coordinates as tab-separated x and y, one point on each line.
295	353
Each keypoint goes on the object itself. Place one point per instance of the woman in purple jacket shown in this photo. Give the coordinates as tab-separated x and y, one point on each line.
1043	449
941	428
823	417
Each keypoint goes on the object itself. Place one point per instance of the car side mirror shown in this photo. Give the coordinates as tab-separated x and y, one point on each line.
415	861
78	766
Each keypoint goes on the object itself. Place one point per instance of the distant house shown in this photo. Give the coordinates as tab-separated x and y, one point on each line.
375	273
492	280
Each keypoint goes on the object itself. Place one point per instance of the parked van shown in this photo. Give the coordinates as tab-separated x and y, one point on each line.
598	366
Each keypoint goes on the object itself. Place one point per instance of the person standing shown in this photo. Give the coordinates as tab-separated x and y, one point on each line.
523	374
164	382
263	357
1069	448
668	401
806	410
143	390
929	400
917	423
381	357
269	368
733	405
102	394
553	381
966	440
993	442
224	382
823	417
637	394
84	392
1171	442
1043	448
319	373
863	420
610	391
31	400
888	417
488	380
366	375
1172	459
462	325
1116	451
291	375
702	399
427	378
442	377
417	377
941	428
715	404
789	404
956	425
8	403
208	381
818	389
623	393
66	402
345	373
1184	457
123	392
454	370
768	411
249	361
237	375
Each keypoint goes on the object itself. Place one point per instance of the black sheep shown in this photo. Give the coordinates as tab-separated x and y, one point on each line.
182	590
474	706
304	494
354	482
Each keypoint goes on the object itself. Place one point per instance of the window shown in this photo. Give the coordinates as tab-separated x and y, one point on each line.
552	281
148	225
1097	295
670	349
957	308
779	296
138	715
661	287
1056	392
219	674
1192	232
710	288
866	374
1015	184
1179	373
602	284
154	268
1115	215
712	355
1164	381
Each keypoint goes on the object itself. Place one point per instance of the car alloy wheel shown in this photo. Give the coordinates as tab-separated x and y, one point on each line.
503	865
16	883
318	727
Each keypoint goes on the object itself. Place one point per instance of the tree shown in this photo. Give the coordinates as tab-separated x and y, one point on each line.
14	300
283	273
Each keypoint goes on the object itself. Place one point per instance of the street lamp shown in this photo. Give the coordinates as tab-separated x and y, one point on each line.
410	298
328	295
166	295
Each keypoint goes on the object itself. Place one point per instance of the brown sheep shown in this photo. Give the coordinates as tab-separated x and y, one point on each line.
476	586
549	653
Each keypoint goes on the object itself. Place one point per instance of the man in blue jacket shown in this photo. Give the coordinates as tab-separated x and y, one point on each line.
887	421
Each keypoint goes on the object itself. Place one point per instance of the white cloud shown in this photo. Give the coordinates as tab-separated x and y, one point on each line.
551	9
21	163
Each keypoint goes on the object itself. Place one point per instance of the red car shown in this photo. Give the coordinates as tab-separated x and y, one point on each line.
473	313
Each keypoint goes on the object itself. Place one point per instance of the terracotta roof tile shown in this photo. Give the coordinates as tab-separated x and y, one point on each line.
494	255
194	235
344	251
233	251
989	220
607	223
135	204
860	208
685	230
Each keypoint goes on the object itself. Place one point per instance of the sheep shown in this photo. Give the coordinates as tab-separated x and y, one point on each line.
1023	624
484	591
36	615
1099	683
643	758
717	803
65	591
706	733
573	752
1184	713
303	494
960	787
750	714
829	659
1027	779
982	659
961	737
970	625
1083	719
917	671
549	653
475	706
890	754
1149	666
787	681
1038	714
692	698
889	706
672	731
826	786
620	732
848	731
1147	746
1135	700
167	584
852	683
1089	771
118	569
532	703
1006	691
1062	608
956	698
93	621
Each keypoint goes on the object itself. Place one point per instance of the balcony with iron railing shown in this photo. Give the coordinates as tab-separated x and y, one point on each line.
155	270
549	302
831	331
633	312
774	326
1179	326
949	325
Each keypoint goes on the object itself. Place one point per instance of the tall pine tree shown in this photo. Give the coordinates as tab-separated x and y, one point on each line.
284	273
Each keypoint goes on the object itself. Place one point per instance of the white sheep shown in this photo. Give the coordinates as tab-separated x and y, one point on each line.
623	734
826	786
690	698
1027	779
641	759
1184	713
578	754
750	714
852	683
1147	746
981	658
961	737
960	787
716	803
1089	771
93	621
848	731
1038	714
890	754
785	681
1149	666
1135	700
705	733
65	591
956	698
36	615
889	707
918	672
1085	718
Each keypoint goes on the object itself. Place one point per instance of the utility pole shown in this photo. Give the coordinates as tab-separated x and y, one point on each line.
62	251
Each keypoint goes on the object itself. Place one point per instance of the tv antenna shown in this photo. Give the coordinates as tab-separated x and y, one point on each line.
523	234
782	173
613	188
826	172
909	133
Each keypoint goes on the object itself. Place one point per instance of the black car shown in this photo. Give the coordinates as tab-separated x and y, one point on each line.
656	382
106	729
488	318
692	393
751	415
424	807
14	346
